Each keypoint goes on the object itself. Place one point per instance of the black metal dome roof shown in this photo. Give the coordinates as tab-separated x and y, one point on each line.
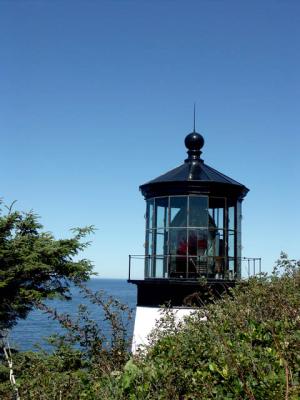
194	177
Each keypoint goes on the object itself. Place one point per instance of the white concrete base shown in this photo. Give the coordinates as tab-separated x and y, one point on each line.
145	320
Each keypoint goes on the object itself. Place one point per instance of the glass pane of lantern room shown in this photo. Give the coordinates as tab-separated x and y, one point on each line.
231	221
216	245
149	214
149	250
177	266
178	251
231	252
197	248
160	242
198	211
161	212
197	240
178	211
231	273
239	239
178	242
159	267
160	253
238	225
216	212
148	244
216	251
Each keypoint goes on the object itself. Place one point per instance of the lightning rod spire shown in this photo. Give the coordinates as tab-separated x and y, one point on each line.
194	118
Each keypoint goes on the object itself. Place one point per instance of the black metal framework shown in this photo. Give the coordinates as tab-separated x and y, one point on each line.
193	223
192	236
249	267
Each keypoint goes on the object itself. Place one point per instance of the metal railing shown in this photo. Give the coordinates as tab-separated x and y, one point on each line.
192	267
253	266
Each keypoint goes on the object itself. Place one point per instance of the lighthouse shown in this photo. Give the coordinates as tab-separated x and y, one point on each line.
193	235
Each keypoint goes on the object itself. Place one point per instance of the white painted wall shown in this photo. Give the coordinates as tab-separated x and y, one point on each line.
145	320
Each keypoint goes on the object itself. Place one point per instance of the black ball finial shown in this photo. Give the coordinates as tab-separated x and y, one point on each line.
194	141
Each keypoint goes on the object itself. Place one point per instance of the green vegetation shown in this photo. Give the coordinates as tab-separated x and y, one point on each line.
34	266
83	361
249	348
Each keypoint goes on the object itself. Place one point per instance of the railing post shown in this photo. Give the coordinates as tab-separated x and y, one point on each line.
259	265
168	266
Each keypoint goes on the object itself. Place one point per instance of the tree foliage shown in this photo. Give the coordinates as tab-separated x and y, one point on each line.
34	265
248	348
84	359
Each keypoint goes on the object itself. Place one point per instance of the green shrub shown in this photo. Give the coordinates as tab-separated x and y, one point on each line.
249	348
82	360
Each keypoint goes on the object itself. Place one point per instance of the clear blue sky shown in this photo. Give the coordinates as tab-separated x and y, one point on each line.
97	97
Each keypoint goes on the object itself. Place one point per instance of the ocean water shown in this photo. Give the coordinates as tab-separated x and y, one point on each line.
38	325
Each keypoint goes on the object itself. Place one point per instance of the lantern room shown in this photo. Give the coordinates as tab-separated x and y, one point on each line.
193	221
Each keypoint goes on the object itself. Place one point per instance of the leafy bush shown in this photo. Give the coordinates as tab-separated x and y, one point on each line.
249	348
82	359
